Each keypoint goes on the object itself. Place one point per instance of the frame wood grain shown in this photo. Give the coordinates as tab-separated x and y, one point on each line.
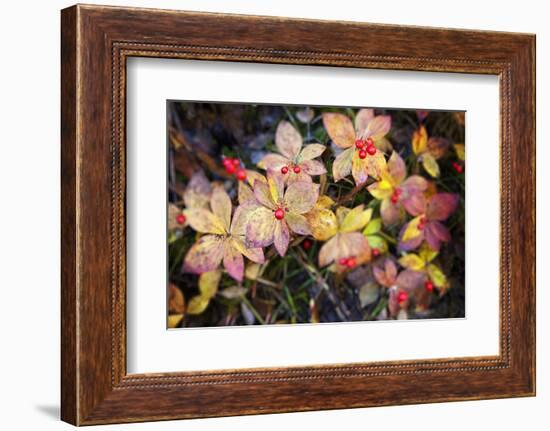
95	43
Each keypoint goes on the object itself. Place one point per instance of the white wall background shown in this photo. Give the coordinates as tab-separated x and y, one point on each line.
29	214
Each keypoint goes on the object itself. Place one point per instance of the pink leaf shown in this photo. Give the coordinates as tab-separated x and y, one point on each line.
281	237
260	227
391	213
273	162
341	167
414	204
313	167
312	151
328	252
362	119
288	140
435	233
397	168
441	206
297	223
233	262
379	126
414	184
197	192
300	197
409	280
205	255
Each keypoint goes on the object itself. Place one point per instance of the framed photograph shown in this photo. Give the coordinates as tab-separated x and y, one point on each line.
252	205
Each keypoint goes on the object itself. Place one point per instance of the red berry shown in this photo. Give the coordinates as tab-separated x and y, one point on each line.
241	175
343	261
284	170
227	162
402	297
230	169
279	214
369	142
371	149
362	154
429	286
351	262
359	144
306	244
458	167
236	162
180	219
296	169
375	252
394	198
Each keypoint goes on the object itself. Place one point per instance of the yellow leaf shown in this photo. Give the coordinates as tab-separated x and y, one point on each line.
341	167
174	320
197	304
381	189
430	164
412	261
324	202
204	221
340	129
208	284
356	219
276	186
373	226
426	253
341	213
252	271
420	140
460	151
412	231
437	276
322	223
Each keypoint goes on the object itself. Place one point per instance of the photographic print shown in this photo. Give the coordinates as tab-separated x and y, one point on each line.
285	214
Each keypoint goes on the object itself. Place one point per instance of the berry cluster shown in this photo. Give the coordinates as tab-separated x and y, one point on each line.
365	146
458	167
349	262
233	167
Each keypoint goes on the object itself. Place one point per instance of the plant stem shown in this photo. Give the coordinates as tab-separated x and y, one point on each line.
350	195
254	311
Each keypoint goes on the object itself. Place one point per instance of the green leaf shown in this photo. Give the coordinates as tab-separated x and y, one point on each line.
373	226
377	242
437	276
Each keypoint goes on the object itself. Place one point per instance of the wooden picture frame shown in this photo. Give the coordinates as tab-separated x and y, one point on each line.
96	41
